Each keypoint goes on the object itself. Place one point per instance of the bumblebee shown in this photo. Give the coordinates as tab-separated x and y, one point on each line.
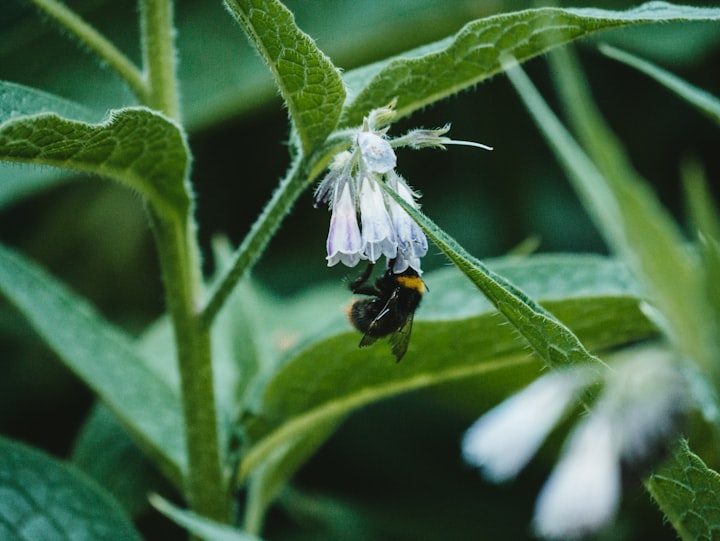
390	309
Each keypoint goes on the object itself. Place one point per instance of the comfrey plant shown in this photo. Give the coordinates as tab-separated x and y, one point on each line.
230	391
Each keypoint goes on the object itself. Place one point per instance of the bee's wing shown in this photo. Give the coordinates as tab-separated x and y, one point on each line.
399	339
389	305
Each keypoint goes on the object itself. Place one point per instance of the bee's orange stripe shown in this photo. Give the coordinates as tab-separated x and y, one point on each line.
412	282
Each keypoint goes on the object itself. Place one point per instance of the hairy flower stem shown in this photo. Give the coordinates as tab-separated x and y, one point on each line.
72	22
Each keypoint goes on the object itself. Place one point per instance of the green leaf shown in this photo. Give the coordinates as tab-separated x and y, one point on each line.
102	356
309	83
425	75
686	491
457	335
104	451
704	101
199	526
42	498
18	100
626	211
135	146
270	478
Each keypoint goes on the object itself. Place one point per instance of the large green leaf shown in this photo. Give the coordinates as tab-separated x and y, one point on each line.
42	498
309	83
137	147
432	72
102	355
457	334
686	491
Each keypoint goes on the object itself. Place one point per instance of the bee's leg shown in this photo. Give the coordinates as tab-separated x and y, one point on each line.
359	286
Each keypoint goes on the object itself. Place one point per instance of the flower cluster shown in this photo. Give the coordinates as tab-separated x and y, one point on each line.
631	424
352	188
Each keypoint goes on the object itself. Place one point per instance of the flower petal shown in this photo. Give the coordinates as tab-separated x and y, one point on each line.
583	491
344	243
503	440
378	234
412	243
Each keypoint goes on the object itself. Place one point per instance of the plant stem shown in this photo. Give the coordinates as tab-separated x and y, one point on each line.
158	50
205	488
257	239
301	173
96	42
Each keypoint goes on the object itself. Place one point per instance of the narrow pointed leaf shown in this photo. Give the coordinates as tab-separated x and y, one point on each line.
43	498
135	146
19	100
704	101
101	355
556	345
686	491
432	72
309	83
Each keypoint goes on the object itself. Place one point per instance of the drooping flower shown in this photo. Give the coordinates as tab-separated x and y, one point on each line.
412	243
344	242
352	186
378	232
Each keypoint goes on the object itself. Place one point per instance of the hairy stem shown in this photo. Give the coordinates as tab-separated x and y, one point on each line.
205	487
97	43
158	49
257	239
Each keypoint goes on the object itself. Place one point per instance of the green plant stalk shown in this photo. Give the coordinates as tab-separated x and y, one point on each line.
252	246
97	43
175	236
158	51
205	488
299	176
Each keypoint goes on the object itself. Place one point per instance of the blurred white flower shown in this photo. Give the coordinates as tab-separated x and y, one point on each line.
377	154
633	422
583	491
503	440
